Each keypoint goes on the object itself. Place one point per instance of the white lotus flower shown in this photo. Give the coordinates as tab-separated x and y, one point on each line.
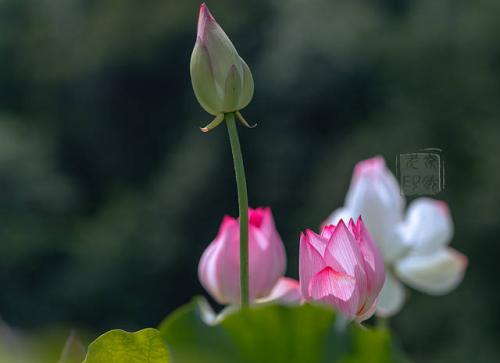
414	245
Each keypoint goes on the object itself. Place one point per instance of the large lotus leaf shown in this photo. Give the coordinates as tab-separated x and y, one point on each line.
273	334
118	346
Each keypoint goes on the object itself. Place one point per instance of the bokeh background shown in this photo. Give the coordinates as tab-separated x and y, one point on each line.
109	192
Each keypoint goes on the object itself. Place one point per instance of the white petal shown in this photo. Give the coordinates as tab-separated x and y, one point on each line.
391	298
392	246
375	195
208	315
427	226
338	214
437	273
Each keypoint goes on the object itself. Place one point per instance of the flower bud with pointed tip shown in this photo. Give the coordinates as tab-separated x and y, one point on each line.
342	267
222	81
219	268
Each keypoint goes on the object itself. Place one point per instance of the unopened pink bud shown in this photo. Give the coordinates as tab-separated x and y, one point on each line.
219	268
342	267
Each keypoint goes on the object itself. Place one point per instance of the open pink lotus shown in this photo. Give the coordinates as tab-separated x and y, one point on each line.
342	267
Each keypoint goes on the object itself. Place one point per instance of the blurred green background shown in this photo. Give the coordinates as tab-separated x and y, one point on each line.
109	192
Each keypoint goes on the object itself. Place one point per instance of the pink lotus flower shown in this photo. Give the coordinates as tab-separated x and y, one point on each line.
219	269
342	267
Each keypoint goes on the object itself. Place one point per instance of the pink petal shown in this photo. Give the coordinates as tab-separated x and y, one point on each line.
327	231
353	227
262	219
287	291
267	252
344	248
226	222
228	266
207	270
267	262
256	216
337	289
310	263
218	260
211	265
374	264
317	241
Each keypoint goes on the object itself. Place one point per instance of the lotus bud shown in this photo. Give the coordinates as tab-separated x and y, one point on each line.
219	268
342	267
222	81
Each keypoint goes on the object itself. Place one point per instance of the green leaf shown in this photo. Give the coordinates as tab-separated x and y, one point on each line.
281	334
366	344
195	341
273	334
118	346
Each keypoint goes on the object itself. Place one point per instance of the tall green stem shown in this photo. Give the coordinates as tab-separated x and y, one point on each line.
241	184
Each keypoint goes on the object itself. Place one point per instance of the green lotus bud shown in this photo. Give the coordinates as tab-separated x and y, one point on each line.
222	81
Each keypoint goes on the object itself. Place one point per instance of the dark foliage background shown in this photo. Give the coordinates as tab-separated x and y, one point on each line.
109	193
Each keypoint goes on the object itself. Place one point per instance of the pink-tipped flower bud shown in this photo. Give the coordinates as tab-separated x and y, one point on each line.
219	269
222	81
342	267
